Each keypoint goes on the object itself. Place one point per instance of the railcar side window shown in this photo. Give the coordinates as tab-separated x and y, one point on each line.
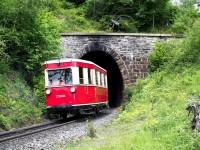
89	77
101	81
105	80
68	76
59	77
102	78
81	75
96	77
93	75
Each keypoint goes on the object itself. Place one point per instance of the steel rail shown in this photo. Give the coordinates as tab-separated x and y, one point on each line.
22	132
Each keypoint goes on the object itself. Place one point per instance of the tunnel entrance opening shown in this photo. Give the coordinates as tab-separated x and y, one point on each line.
115	80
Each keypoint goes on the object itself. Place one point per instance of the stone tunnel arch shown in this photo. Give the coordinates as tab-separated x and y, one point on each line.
113	63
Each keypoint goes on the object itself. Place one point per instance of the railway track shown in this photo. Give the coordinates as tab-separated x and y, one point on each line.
22	132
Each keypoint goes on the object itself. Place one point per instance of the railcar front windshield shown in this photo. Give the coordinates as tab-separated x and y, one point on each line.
59	77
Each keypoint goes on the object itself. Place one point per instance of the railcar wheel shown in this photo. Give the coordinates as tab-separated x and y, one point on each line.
77	113
63	116
97	111
49	115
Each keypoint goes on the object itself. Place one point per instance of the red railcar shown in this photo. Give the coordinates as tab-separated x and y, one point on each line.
75	85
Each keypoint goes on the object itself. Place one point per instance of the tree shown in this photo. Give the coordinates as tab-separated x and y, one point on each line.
143	14
30	33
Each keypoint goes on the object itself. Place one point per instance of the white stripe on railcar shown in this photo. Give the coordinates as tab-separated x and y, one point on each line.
71	60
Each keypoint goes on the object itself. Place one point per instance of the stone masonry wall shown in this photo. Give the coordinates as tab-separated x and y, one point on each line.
130	51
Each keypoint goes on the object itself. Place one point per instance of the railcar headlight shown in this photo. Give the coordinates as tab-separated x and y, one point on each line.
72	89
48	91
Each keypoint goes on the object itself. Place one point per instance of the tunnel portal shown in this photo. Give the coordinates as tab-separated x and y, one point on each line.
123	55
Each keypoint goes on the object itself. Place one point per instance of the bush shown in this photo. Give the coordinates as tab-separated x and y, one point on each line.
38	90
5	123
165	54
75	21
192	46
18	105
177	53
185	17
4	58
30	34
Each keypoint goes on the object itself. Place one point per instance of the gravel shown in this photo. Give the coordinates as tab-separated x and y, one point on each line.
55	138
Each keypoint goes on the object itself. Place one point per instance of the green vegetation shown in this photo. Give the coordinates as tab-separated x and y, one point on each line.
156	116
75	20
30	34
18	106
131	15
185	17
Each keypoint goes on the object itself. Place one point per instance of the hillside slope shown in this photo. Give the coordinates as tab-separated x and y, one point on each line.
156	116
18	107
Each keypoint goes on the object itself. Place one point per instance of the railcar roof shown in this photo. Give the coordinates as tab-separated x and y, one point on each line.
71	60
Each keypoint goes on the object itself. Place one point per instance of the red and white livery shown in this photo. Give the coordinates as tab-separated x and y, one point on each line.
75	85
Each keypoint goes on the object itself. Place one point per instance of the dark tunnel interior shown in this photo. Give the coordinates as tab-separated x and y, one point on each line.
115	80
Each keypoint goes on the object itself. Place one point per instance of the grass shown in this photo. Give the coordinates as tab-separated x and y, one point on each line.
106	135
155	118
